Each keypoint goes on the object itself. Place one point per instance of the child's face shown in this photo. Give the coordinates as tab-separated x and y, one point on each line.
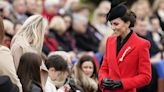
53	74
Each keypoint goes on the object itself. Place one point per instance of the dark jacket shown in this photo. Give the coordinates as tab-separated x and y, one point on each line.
36	88
88	41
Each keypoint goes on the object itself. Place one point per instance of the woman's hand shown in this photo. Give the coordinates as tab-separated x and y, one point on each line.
111	84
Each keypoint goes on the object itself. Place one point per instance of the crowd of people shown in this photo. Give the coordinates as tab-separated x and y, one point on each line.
58	45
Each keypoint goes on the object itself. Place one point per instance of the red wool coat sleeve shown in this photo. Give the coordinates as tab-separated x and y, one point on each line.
104	71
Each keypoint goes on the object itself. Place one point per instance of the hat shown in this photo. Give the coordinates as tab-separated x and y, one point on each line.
6	85
116	12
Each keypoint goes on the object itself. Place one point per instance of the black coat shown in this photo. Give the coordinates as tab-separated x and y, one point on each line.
88	41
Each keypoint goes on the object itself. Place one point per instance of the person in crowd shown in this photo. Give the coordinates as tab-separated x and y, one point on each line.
85	72
140	27
6	60
99	22
158	8
58	32
155	36
86	36
126	62
71	6
57	68
30	39
18	13
31	7
30	79
50	9
105	5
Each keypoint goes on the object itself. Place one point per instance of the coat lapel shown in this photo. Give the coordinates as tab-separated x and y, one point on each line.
127	48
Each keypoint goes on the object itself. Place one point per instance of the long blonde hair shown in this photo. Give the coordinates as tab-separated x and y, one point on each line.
32	32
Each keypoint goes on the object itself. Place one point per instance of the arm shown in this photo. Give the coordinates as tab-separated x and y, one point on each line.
144	70
104	70
7	68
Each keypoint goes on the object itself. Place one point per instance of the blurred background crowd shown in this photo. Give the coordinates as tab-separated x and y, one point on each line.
75	39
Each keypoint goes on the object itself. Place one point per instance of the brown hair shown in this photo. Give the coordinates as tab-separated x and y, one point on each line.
29	71
90	59
131	17
2	32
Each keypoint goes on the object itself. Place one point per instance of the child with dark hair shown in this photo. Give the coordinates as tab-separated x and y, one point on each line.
58	72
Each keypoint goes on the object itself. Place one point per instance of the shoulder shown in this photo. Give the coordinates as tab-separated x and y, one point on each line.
4	49
5	53
111	38
143	42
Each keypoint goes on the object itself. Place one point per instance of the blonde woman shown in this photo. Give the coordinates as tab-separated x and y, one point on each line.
30	39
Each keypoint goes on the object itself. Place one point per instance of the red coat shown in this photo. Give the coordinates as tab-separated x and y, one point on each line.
131	66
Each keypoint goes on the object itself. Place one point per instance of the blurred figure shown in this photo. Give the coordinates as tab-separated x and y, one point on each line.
140	27
5	9
105	5
82	10
62	3
19	10
58	71
50	9
68	21
71	6
85	72
154	36
58	32
159	11
7	85
143	11
30	39
6	60
9	32
30	79
86	36
31	7
99	22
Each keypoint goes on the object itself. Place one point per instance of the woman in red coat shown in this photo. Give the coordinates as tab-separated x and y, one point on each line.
126	63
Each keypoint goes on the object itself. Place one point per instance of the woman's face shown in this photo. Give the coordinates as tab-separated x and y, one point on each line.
119	26
88	68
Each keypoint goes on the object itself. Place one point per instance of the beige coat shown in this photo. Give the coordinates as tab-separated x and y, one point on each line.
7	66
18	50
